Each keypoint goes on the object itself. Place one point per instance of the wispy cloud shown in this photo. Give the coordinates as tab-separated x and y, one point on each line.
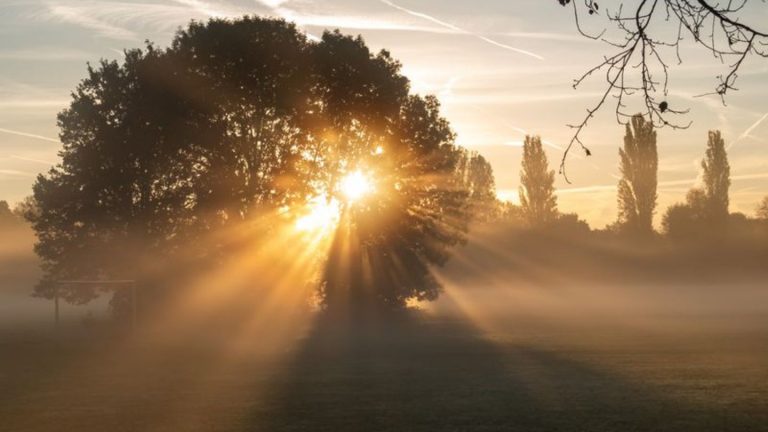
29	135
547	36
461	30
15	173
662	185
18	103
748	131
34	160
307	18
90	18
124	20
525	132
45	54
207	8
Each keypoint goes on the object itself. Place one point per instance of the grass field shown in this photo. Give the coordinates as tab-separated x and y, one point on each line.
419	371
494	355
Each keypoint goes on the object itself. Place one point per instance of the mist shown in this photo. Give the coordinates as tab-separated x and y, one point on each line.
255	228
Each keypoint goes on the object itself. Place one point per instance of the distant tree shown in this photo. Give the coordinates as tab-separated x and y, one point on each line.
26	209
762	209
637	187
717	179
236	120
687	220
6	215
512	214
537	184
569	225
477	177
677	221
705	212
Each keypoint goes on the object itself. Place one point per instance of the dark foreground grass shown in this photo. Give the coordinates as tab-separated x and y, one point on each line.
408	373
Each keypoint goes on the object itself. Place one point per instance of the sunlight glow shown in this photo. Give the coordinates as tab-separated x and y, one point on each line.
323	214
356	185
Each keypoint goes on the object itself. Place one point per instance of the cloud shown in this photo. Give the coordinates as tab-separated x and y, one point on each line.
461	30
33	103
89	18
664	184
29	135
206	8
547	36
543	141
272	4
122	20
45	54
346	21
34	160
15	173
748	131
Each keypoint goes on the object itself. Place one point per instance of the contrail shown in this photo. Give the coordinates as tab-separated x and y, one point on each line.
29	135
28	159
525	132
685	182
15	173
461	30
748	131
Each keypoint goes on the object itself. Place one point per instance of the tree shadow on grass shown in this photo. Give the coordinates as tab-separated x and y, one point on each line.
417	373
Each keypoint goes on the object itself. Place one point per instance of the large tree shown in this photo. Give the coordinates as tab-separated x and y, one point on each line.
639	169
537	184
235	122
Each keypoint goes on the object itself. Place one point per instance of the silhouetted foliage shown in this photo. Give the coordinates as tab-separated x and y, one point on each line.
717	179
762	209
686	221
6	215
569	225
233	122
537	184
705	213
384	246
11	217
477	177
637	187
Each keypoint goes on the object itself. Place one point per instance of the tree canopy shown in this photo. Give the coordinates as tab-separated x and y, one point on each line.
537	184
639	162
717	178
705	213
245	120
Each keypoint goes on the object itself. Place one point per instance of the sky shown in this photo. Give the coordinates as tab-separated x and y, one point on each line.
501	69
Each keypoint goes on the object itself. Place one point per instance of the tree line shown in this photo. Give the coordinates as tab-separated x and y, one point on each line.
705	212
238	122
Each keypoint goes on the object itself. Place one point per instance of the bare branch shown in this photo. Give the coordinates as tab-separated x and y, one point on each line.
639	68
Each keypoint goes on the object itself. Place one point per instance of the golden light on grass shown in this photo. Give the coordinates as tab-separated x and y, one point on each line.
356	185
